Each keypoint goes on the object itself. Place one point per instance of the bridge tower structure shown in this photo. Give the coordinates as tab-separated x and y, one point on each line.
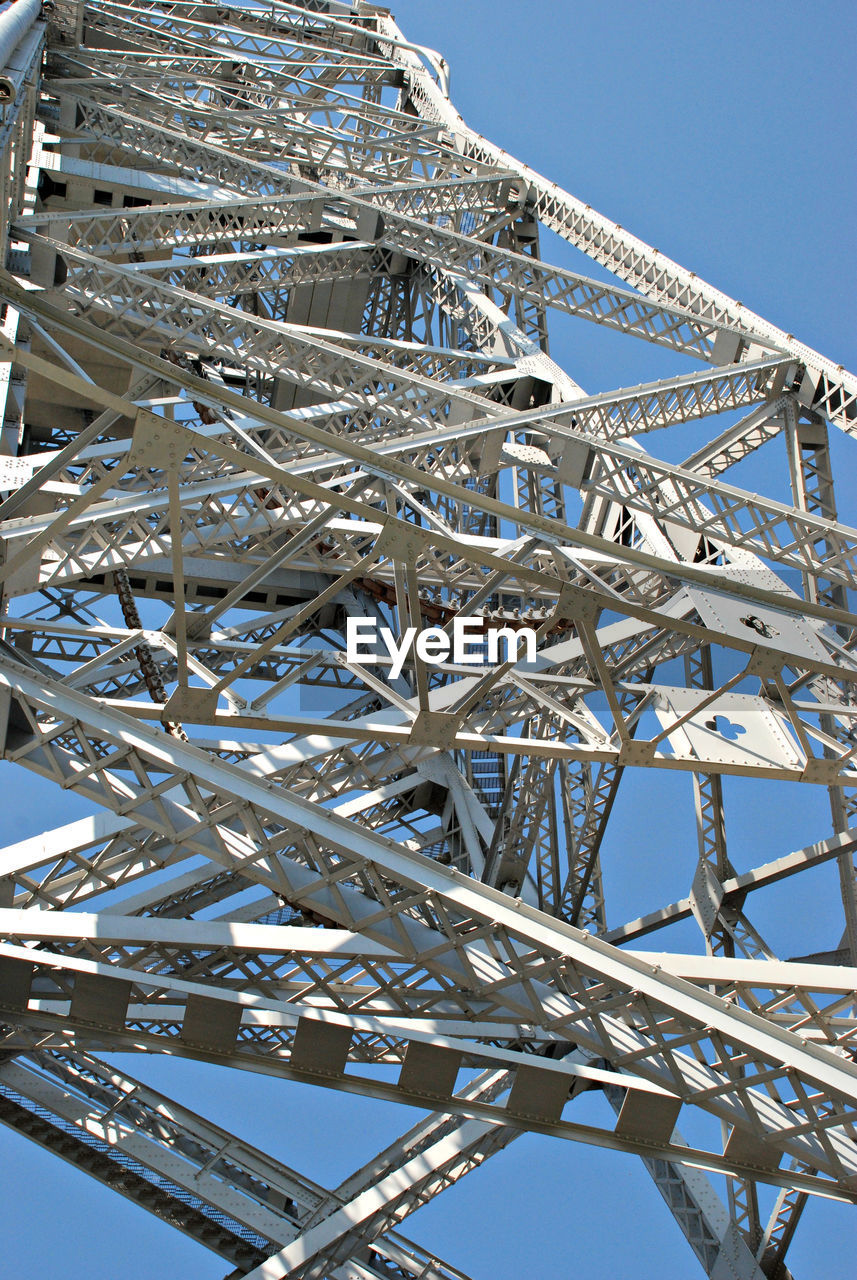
275	344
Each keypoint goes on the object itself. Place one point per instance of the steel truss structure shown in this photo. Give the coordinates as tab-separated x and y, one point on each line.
276	345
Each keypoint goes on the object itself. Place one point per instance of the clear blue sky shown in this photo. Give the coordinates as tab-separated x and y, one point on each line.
724	135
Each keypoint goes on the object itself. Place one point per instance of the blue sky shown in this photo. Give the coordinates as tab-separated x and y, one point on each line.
724	135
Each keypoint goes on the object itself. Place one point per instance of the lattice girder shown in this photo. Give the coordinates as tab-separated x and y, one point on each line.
277	327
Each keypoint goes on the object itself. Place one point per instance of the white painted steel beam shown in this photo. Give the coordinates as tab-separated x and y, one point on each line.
278	322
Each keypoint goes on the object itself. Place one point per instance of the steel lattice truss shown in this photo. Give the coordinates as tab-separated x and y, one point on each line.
275	324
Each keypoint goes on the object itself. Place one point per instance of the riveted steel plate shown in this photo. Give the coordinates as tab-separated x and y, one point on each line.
736	729
759	623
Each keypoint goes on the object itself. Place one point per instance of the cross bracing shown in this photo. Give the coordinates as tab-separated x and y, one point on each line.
276	340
